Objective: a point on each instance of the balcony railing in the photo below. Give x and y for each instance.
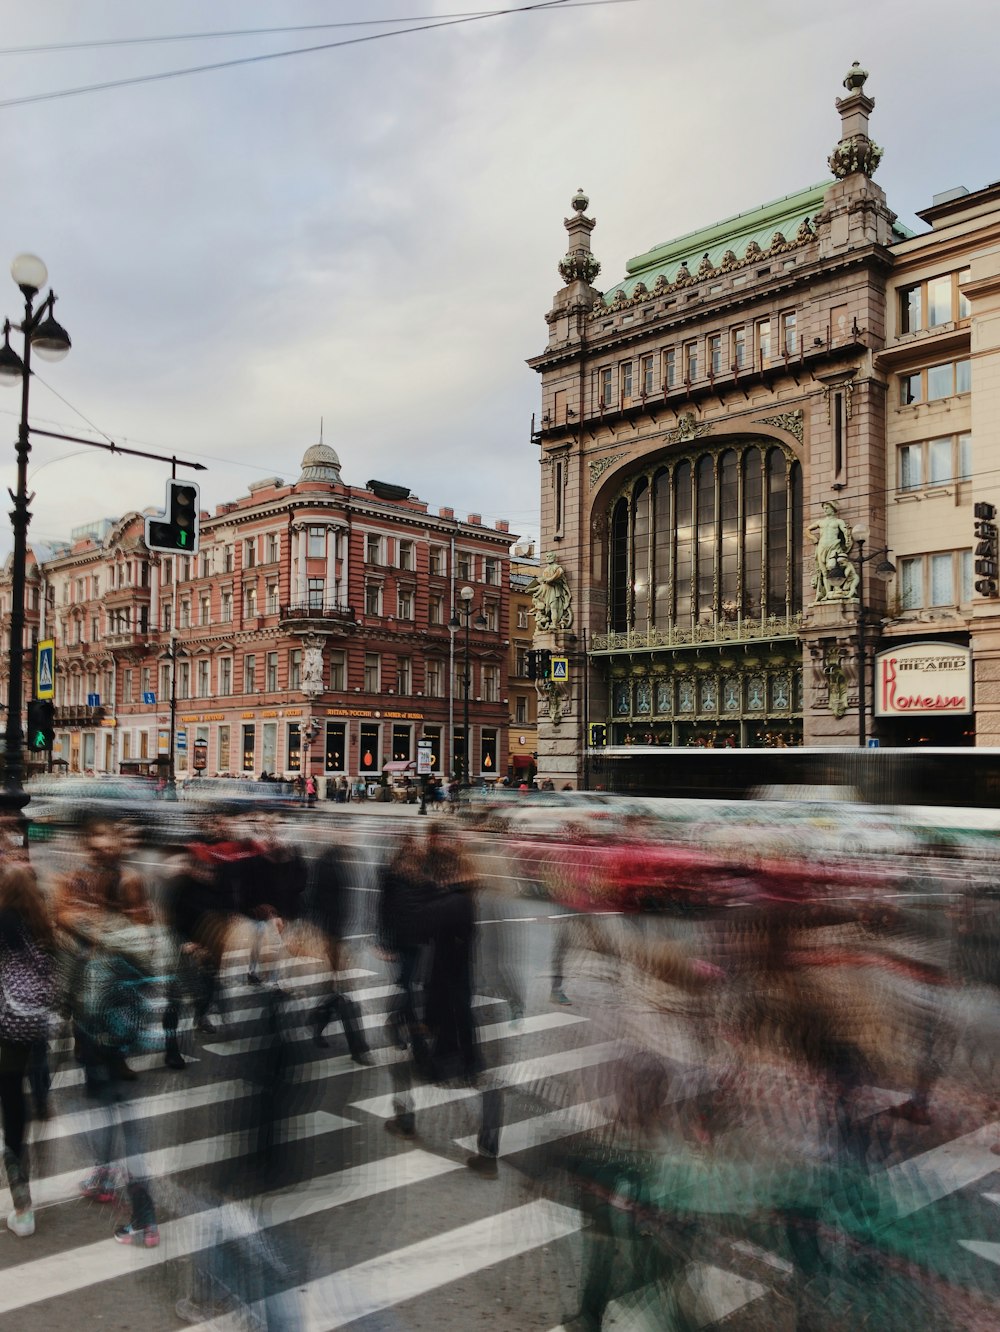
(717, 632)
(78, 714)
(129, 638)
(302, 610)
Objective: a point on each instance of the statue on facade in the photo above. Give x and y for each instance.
(312, 671)
(835, 577)
(551, 601)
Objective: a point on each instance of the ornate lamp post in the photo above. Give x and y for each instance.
(883, 569)
(462, 614)
(44, 336)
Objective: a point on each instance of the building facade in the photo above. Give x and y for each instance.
(310, 633)
(523, 755)
(729, 429)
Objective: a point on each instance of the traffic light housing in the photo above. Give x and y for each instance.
(176, 529)
(41, 716)
(539, 664)
(598, 735)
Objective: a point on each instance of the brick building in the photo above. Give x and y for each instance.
(805, 372)
(317, 607)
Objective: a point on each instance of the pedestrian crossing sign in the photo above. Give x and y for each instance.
(560, 668)
(45, 668)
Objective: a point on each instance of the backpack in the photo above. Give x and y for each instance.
(27, 992)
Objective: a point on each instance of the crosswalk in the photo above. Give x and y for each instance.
(376, 1224)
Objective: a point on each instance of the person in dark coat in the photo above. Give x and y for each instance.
(403, 931)
(325, 909)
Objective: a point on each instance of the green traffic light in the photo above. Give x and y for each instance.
(39, 740)
(182, 537)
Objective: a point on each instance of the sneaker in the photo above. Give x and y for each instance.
(399, 1130)
(143, 1237)
(22, 1224)
(100, 1186)
(483, 1166)
(254, 978)
(206, 1026)
(559, 997)
(173, 1057)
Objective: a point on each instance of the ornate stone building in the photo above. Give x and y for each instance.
(718, 432)
(310, 632)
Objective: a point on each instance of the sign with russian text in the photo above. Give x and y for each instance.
(923, 678)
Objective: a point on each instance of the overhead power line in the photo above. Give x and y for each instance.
(540, 6)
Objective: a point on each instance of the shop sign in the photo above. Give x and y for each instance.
(923, 678)
(986, 550)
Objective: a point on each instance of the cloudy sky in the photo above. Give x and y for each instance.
(369, 234)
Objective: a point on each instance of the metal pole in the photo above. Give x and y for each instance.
(171, 784)
(465, 711)
(862, 665)
(20, 518)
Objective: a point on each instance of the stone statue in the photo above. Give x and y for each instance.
(550, 596)
(835, 577)
(312, 671)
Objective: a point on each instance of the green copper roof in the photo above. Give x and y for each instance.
(755, 228)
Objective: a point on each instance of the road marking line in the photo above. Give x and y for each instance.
(549, 1127)
(933, 1175)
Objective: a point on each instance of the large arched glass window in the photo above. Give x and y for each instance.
(708, 538)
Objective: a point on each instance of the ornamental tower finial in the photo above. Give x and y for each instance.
(578, 264)
(855, 153)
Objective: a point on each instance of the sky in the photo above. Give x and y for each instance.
(369, 235)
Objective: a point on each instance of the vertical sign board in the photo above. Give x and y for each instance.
(200, 762)
(425, 758)
(45, 668)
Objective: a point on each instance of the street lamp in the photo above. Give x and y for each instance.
(462, 613)
(883, 569)
(171, 654)
(44, 336)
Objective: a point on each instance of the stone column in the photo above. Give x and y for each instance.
(302, 577)
(330, 590)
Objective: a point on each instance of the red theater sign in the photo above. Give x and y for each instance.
(923, 677)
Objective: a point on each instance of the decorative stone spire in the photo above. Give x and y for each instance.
(579, 264)
(855, 152)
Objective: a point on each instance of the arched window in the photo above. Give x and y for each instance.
(714, 538)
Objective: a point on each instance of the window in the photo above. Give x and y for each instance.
(184, 679)
(164, 681)
(911, 583)
(373, 549)
(464, 565)
(249, 673)
(373, 598)
(373, 672)
(939, 579)
(167, 618)
(521, 662)
(225, 675)
(911, 465)
(203, 678)
(249, 552)
(762, 334)
(434, 682)
(272, 599)
(295, 668)
(227, 559)
(404, 675)
(405, 560)
(226, 605)
(935, 382)
(184, 576)
(492, 571)
(316, 543)
(338, 671)
(205, 610)
(271, 673)
(942, 582)
(940, 460)
(437, 563)
(789, 333)
(203, 565)
(146, 679)
(648, 365)
(184, 615)
(669, 368)
(404, 604)
(223, 734)
(491, 684)
(95, 628)
(625, 380)
(522, 617)
(739, 348)
(607, 387)
(690, 362)
(715, 353)
(491, 614)
(126, 686)
(435, 610)
(336, 746)
(250, 601)
(520, 710)
(933, 303)
(273, 547)
(315, 592)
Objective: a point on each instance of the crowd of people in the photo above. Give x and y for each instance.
(793, 1002)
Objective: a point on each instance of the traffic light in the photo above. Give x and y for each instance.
(544, 664)
(598, 735)
(41, 715)
(176, 528)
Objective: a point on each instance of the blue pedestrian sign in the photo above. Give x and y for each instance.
(148, 696)
(45, 669)
(873, 743)
(560, 668)
(182, 740)
(93, 700)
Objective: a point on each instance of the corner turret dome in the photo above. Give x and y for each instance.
(320, 463)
